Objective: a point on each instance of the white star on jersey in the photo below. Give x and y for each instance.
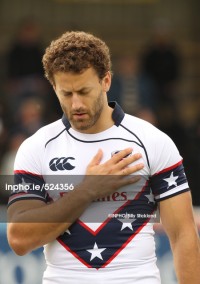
(96, 252)
(171, 180)
(126, 223)
(24, 186)
(150, 197)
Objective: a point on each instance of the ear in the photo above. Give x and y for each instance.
(106, 82)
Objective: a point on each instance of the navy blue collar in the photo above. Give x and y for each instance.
(117, 115)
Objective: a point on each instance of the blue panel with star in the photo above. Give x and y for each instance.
(27, 186)
(97, 249)
(167, 180)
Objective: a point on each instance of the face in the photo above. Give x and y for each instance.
(83, 98)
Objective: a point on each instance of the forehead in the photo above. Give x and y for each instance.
(75, 81)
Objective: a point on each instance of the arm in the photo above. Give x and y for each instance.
(34, 223)
(178, 221)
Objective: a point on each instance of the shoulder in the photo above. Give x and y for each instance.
(32, 150)
(43, 135)
(160, 148)
(143, 129)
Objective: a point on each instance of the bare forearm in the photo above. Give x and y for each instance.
(186, 253)
(38, 226)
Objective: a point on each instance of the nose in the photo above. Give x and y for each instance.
(76, 101)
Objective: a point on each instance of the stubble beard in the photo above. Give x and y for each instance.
(93, 115)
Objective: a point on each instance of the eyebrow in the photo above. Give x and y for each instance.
(78, 91)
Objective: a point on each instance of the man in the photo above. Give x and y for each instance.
(94, 218)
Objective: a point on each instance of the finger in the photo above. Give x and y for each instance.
(131, 170)
(131, 180)
(96, 159)
(120, 155)
(127, 161)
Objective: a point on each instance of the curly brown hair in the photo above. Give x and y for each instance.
(76, 51)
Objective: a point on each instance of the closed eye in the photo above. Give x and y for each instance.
(67, 94)
(84, 91)
(81, 92)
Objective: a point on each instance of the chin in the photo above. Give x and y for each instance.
(79, 126)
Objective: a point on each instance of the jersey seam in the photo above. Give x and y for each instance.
(54, 137)
(25, 198)
(100, 140)
(142, 145)
(172, 195)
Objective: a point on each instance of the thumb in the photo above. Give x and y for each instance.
(96, 159)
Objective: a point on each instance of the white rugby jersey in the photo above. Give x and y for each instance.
(113, 240)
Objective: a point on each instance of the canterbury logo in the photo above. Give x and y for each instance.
(61, 164)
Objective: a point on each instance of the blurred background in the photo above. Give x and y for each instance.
(155, 48)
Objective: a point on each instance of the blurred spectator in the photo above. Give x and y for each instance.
(131, 89)
(7, 164)
(161, 64)
(3, 129)
(30, 116)
(24, 67)
(191, 149)
(26, 121)
(24, 57)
